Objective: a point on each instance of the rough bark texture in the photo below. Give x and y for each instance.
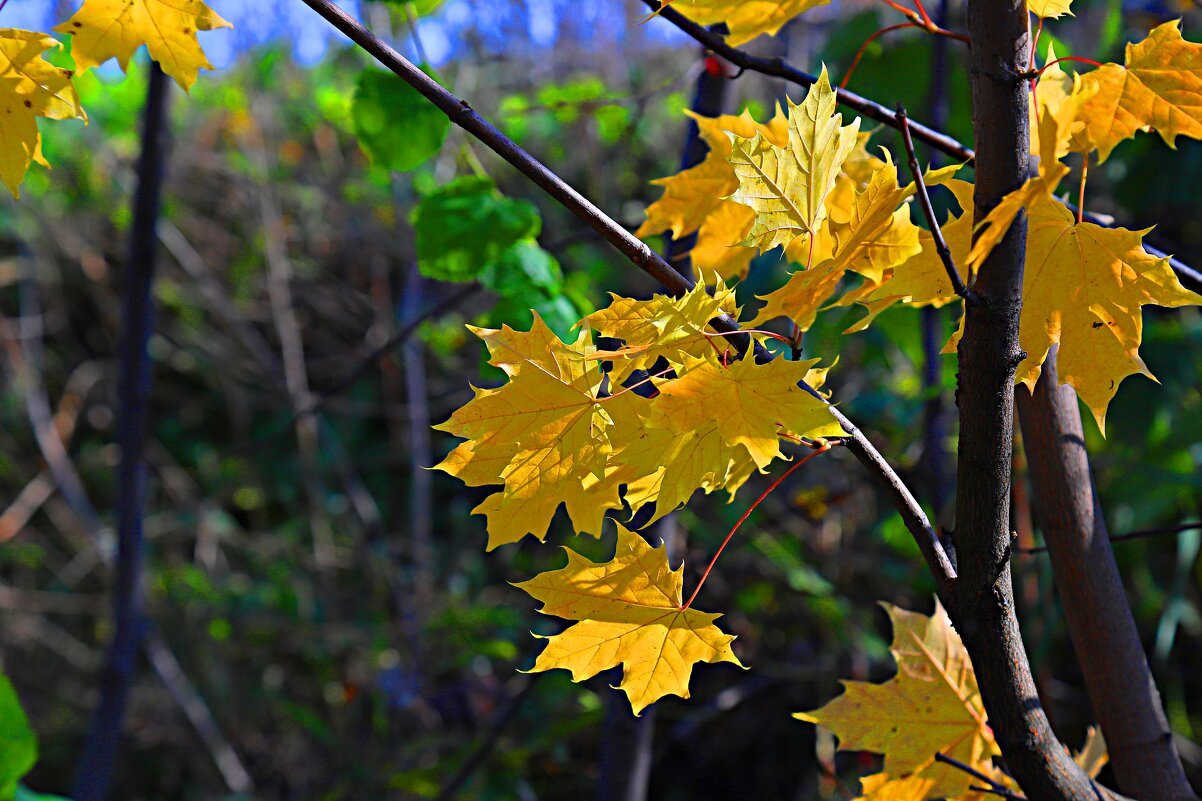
(1109, 651)
(981, 601)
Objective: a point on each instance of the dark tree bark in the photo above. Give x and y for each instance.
(95, 771)
(1109, 651)
(981, 600)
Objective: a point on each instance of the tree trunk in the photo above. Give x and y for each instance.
(981, 600)
(1109, 651)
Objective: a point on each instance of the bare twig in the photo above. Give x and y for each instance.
(1131, 535)
(924, 199)
(451, 789)
(292, 349)
(994, 786)
(185, 695)
(779, 68)
(636, 251)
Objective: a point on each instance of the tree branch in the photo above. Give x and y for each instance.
(1130, 535)
(924, 199)
(981, 603)
(1108, 647)
(779, 68)
(636, 251)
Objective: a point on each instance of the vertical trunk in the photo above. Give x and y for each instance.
(1099, 618)
(95, 771)
(981, 601)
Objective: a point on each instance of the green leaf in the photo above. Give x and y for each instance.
(419, 8)
(524, 272)
(466, 226)
(18, 744)
(397, 127)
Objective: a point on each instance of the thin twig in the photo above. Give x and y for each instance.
(779, 68)
(477, 757)
(640, 255)
(1132, 535)
(924, 199)
(995, 787)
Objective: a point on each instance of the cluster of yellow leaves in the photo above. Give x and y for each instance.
(31, 87)
(932, 705)
(630, 613)
(562, 430)
(809, 184)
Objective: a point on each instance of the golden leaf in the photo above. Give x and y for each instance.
(1050, 9)
(751, 403)
(932, 705)
(662, 326)
(629, 613)
(104, 29)
(745, 19)
(1159, 88)
(31, 87)
(787, 186)
(543, 435)
(1083, 287)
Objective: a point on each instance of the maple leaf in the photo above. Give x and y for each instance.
(1056, 128)
(1083, 287)
(1160, 88)
(30, 87)
(104, 29)
(922, 279)
(1050, 9)
(787, 186)
(630, 613)
(751, 403)
(745, 19)
(692, 199)
(932, 705)
(877, 235)
(543, 435)
(663, 326)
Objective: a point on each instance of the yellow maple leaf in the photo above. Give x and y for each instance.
(1083, 287)
(630, 613)
(932, 705)
(745, 19)
(751, 403)
(1159, 88)
(30, 87)
(1056, 129)
(104, 29)
(877, 236)
(717, 250)
(663, 326)
(922, 279)
(787, 186)
(692, 199)
(1050, 9)
(543, 435)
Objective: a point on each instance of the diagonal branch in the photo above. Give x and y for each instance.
(924, 199)
(779, 68)
(636, 251)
